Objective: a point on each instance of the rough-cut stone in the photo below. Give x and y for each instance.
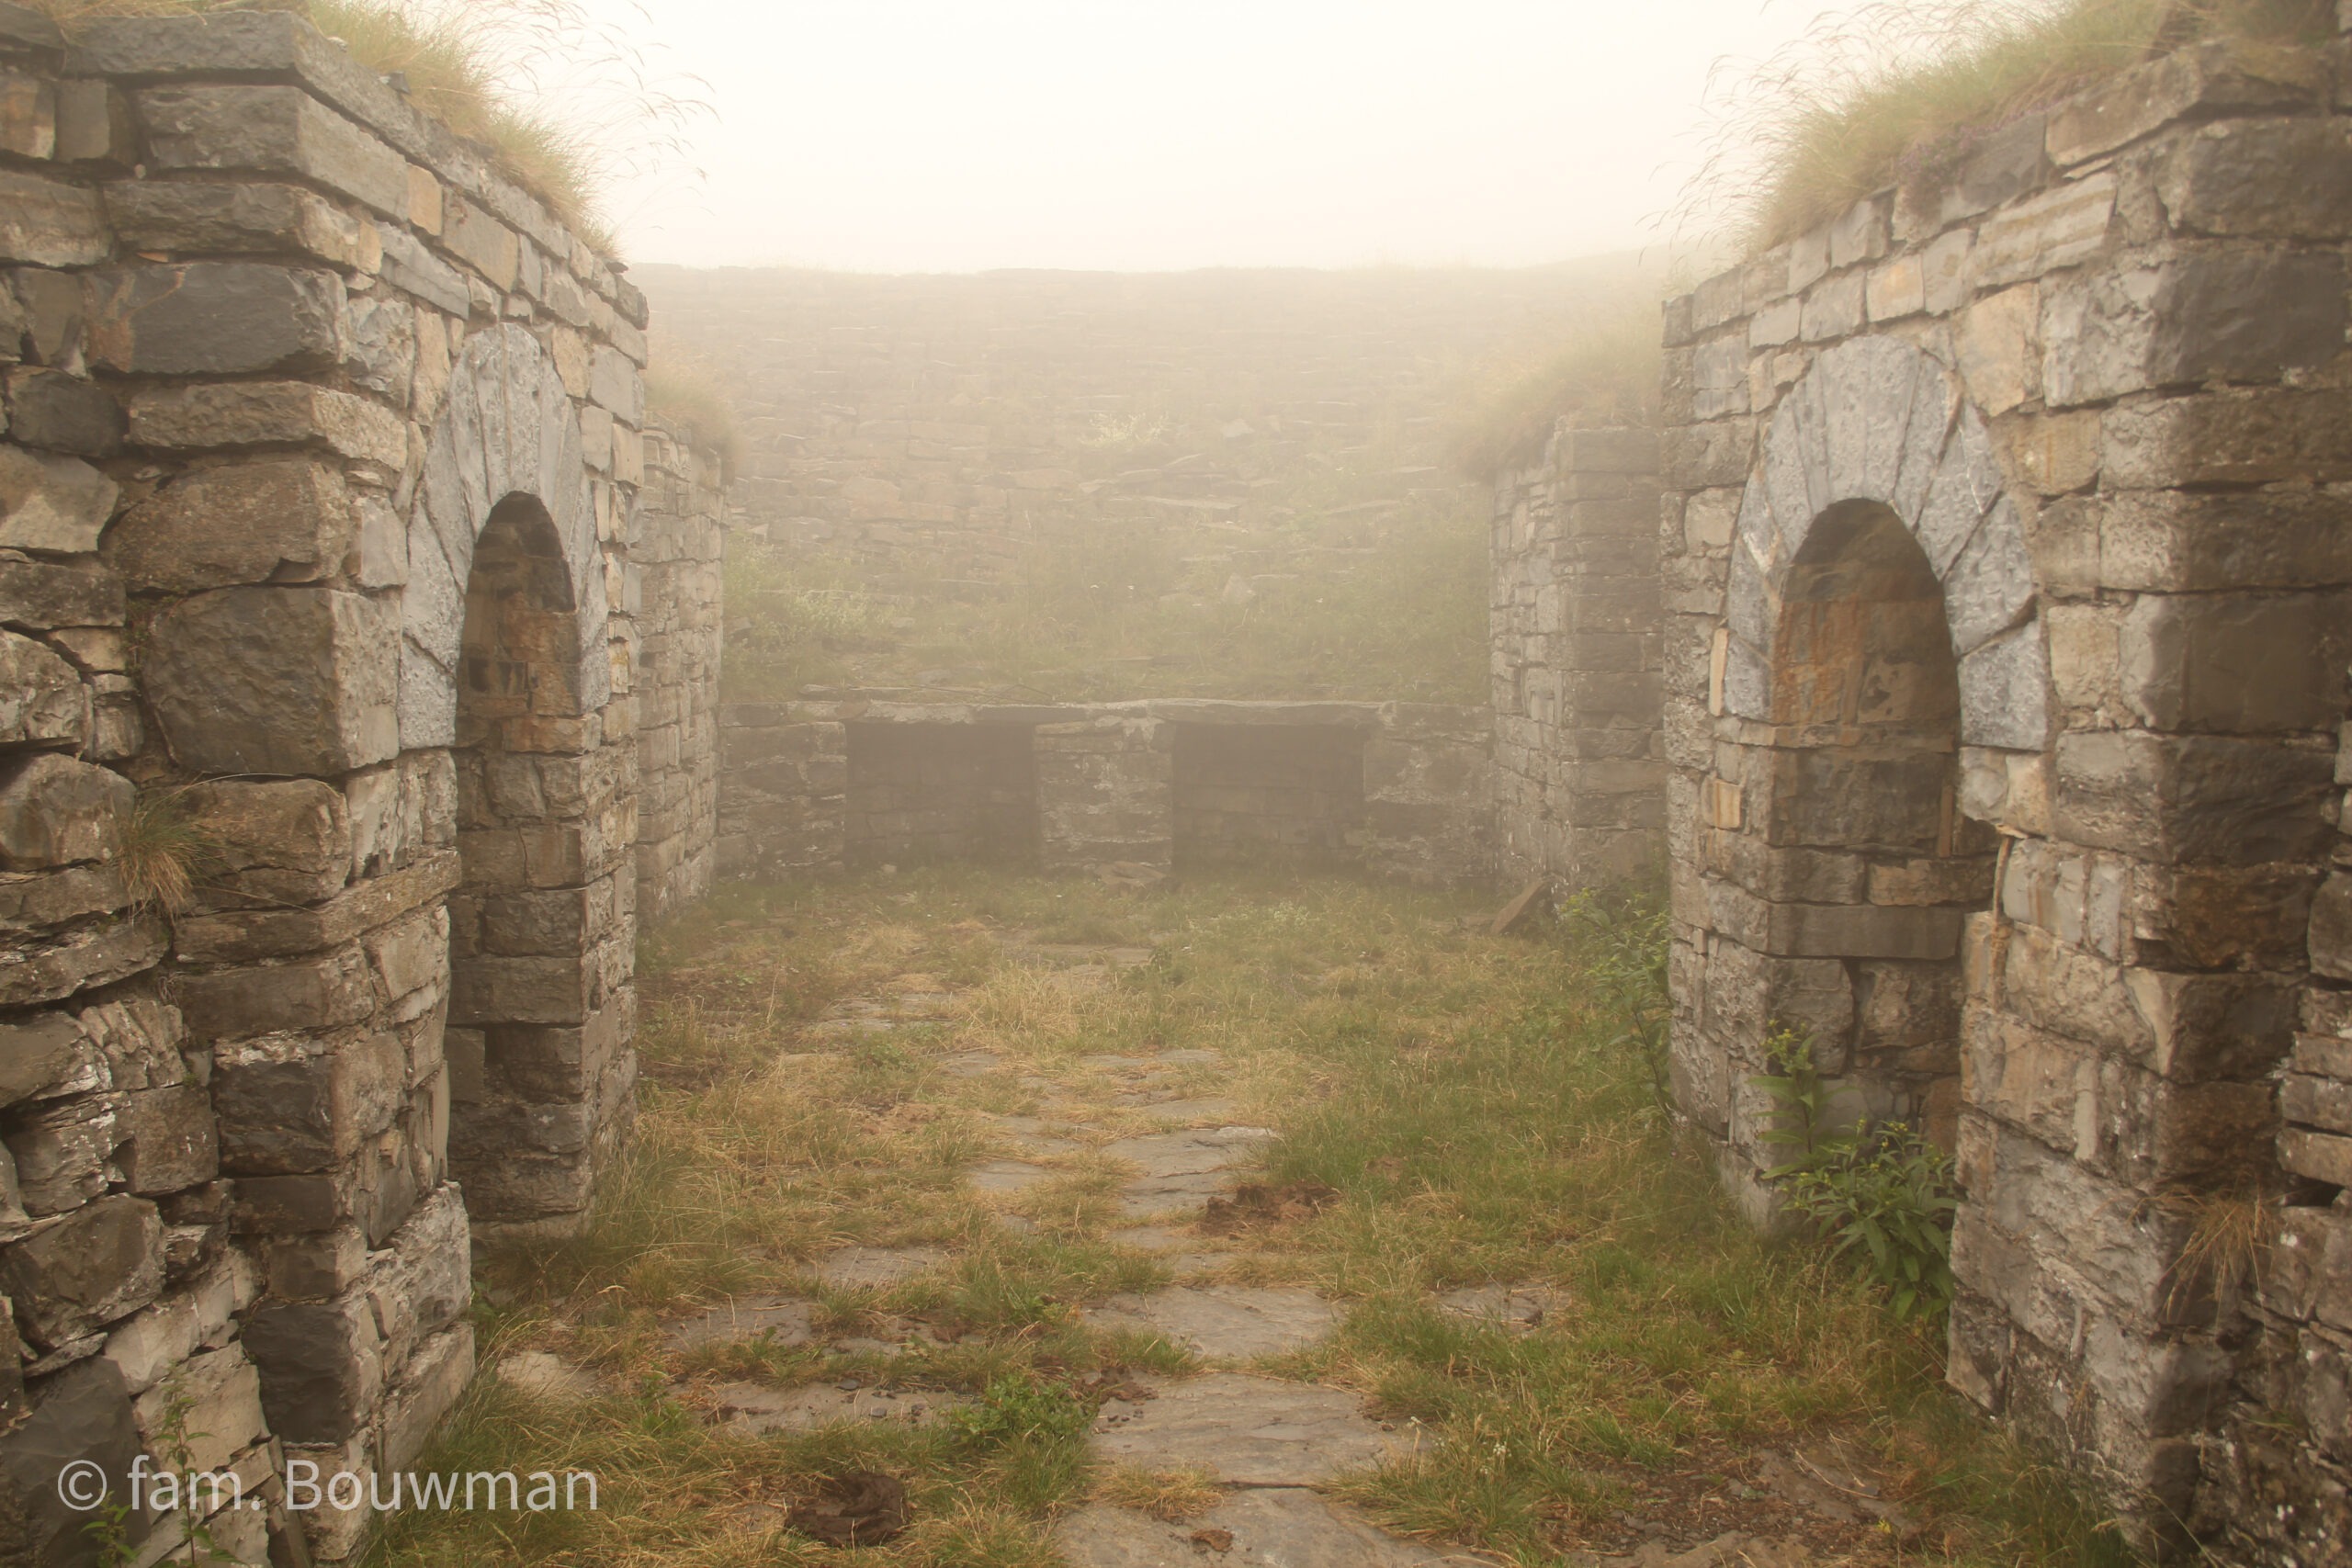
(777, 1320)
(55, 811)
(1222, 1320)
(41, 698)
(755, 1409)
(284, 520)
(272, 129)
(63, 413)
(49, 502)
(1264, 1528)
(215, 319)
(99, 1263)
(268, 413)
(47, 223)
(207, 216)
(873, 1268)
(276, 681)
(83, 1417)
(1244, 1431)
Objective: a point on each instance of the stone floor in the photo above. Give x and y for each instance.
(1270, 1444)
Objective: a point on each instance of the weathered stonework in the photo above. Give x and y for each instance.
(1402, 788)
(2008, 612)
(1577, 645)
(325, 517)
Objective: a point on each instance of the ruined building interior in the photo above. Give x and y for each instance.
(1963, 645)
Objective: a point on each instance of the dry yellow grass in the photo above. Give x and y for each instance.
(1892, 94)
(486, 68)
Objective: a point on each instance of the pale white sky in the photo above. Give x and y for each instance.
(930, 135)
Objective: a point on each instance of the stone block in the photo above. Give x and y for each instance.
(2063, 226)
(46, 595)
(55, 811)
(168, 1140)
(275, 841)
(207, 217)
(428, 1390)
(2240, 663)
(2221, 74)
(482, 242)
(310, 994)
(321, 1373)
(50, 501)
(2192, 319)
(272, 129)
(614, 383)
(63, 413)
(82, 1417)
(41, 697)
(276, 681)
(410, 265)
(2323, 1156)
(290, 1108)
(47, 1054)
(2331, 927)
(47, 223)
(102, 1262)
(2272, 178)
(2179, 798)
(282, 520)
(214, 318)
(268, 413)
(2171, 542)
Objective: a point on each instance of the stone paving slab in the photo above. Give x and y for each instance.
(1518, 1309)
(871, 1267)
(1154, 1195)
(783, 1318)
(1191, 1110)
(550, 1378)
(1190, 1152)
(1271, 1528)
(1245, 1431)
(1223, 1320)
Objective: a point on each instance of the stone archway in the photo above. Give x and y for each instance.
(1880, 626)
(506, 670)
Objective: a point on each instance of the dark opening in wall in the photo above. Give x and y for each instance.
(1864, 818)
(920, 791)
(1253, 792)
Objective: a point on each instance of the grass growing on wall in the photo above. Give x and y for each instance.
(1603, 371)
(1893, 94)
(484, 68)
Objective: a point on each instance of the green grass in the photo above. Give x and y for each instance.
(1118, 615)
(1467, 1097)
(1899, 94)
(1602, 371)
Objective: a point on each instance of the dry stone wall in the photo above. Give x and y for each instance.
(1578, 648)
(329, 543)
(2008, 604)
(1401, 788)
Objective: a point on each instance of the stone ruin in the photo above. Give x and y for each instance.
(331, 525)
(1969, 640)
(1997, 638)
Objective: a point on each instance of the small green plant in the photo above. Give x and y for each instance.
(176, 1446)
(1623, 941)
(1016, 1410)
(1881, 1193)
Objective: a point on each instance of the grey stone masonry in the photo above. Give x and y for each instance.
(327, 524)
(2008, 609)
(1577, 649)
(1400, 788)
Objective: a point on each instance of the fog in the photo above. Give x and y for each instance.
(918, 135)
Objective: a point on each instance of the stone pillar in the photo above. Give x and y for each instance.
(1106, 794)
(676, 540)
(1578, 661)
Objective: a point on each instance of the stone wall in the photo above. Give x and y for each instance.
(1401, 788)
(2006, 639)
(1577, 650)
(931, 429)
(675, 543)
(327, 544)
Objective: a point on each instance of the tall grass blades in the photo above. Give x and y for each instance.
(574, 105)
(1899, 92)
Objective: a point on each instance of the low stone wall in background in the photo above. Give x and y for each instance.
(1400, 788)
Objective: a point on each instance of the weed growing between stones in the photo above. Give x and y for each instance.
(1470, 1105)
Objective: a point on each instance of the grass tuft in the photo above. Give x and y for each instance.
(159, 851)
(570, 103)
(1899, 94)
